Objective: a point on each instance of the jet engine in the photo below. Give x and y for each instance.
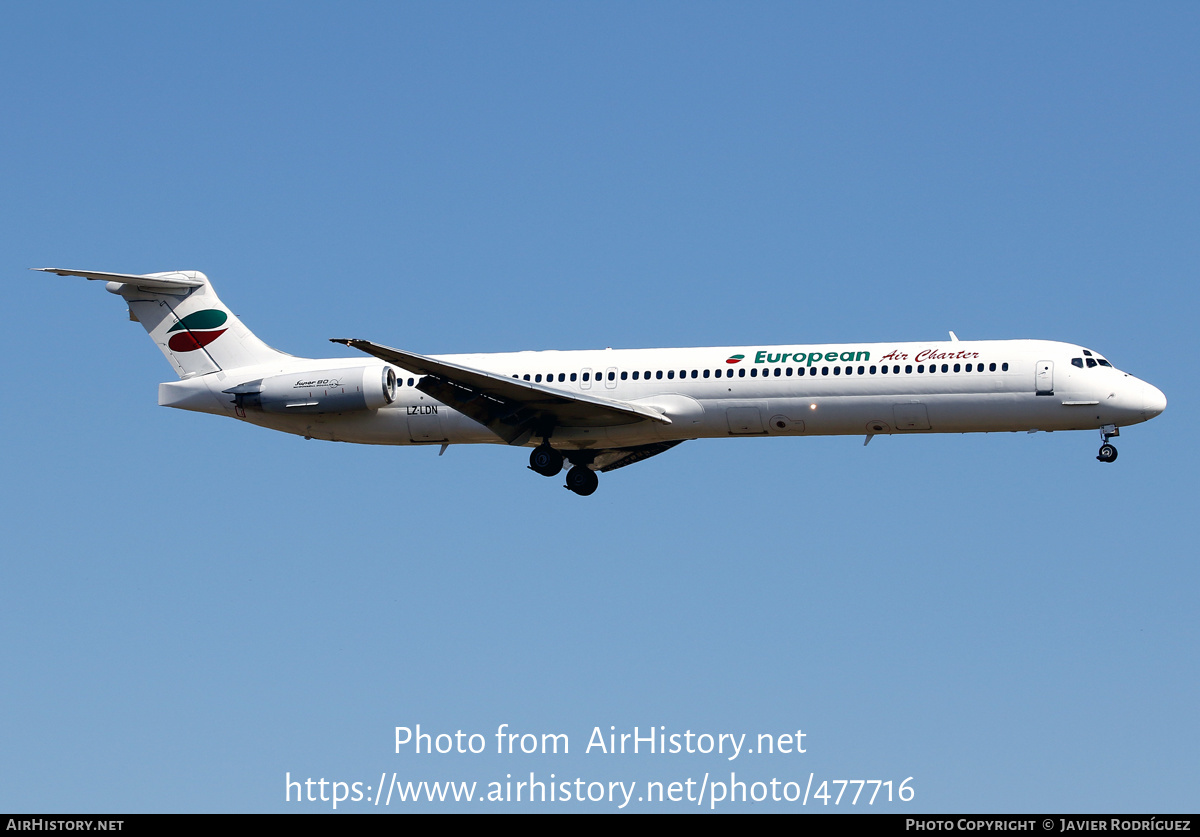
(320, 391)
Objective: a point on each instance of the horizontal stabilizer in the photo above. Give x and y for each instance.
(188, 323)
(170, 282)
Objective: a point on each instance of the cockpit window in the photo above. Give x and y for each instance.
(1104, 362)
(1077, 361)
(1091, 363)
(1086, 352)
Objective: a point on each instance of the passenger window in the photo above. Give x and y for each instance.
(883, 369)
(624, 376)
(957, 368)
(612, 376)
(860, 370)
(526, 377)
(671, 374)
(992, 367)
(586, 376)
(789, 372)
(908, 369)
(658, 374)
(572, 376)
(824, 370)
(1004, 367)
(921, 368)
(753, 372)
(707, 372)
(695, 374)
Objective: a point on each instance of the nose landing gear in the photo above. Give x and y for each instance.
(1108, 453)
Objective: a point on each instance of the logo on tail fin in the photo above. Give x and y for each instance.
(197, 330)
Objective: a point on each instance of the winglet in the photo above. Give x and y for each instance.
(953, 337)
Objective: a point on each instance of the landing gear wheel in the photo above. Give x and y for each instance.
(582, 480)
(1108, 453)
(546, 461)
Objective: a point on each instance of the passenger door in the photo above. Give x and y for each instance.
(1045, 377)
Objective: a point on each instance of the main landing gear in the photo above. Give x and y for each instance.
(582, 480)
(1108, 453)
(548, 462)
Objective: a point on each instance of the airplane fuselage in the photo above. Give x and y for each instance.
(799, 390)
(603, 410)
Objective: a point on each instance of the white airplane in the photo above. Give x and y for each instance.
(603, 410)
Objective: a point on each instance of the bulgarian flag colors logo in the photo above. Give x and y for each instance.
(197, 330)
(736, 359)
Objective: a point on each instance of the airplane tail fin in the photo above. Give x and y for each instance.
(185, 319)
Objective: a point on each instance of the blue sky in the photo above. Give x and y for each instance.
(196, 608)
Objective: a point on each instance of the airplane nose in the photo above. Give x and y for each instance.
(1155, 401)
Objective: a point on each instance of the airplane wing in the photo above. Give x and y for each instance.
(512, 409)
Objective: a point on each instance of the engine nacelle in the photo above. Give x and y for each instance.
(321, 391)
